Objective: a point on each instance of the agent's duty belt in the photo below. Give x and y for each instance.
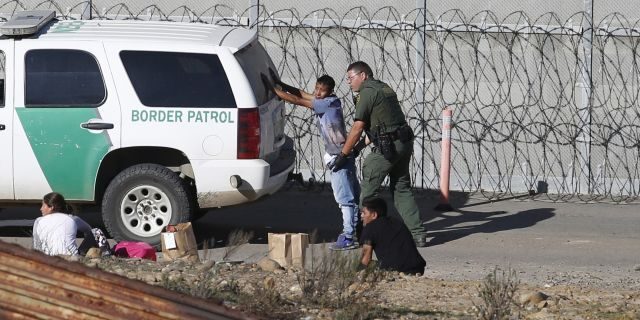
(385, 140)
(403, 134)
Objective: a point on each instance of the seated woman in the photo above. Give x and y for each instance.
(55, 232)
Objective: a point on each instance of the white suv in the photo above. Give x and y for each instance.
(154, 120)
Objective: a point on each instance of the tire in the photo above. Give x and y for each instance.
(142, 199)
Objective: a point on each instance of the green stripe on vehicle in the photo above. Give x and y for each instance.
(69, 155)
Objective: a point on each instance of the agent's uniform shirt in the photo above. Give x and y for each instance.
(378, 105)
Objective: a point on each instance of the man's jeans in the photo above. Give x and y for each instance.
(346, 191)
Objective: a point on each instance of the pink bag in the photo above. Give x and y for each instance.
(131, 249)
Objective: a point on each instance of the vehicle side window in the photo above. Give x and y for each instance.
(63, 78)
(177, 79)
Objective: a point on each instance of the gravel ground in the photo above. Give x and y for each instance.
(571, 261)
(261, 288)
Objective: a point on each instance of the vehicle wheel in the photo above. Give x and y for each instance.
(143, 199)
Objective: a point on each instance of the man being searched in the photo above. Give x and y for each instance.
(330, 121)
(389, 238)
(379, 114)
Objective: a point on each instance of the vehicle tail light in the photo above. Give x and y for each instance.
(248, 133)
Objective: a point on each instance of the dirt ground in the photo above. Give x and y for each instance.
(569, 261)
(263, 290)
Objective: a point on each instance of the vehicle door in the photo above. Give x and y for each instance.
(6, 119)
(70, 117)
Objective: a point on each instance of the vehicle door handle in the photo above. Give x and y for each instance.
(2, 127)
(97, 125)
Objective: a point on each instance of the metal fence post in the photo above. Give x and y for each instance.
(586, 86)
(86, 12)
(254, 13)
(420, 67)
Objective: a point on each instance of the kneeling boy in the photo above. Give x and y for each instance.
(389, 238)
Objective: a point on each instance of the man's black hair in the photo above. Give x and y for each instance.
(361, 66)
(327, 81)
(375, 204)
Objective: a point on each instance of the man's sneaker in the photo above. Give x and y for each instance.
(421, 241)
(344, 243)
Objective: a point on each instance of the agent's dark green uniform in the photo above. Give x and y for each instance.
(377, 105)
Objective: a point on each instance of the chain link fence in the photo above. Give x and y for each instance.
(545, 94)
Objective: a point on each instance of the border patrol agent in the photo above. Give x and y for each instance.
(379, 114)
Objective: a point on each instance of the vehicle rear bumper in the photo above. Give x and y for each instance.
(257, 179)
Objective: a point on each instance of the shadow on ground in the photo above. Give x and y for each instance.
(462, 221)
(294, 209)
(308, 208)
(311, 208)
(451, 226)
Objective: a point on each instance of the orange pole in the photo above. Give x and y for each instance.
(445, 161)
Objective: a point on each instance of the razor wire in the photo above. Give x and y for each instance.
(517, 85)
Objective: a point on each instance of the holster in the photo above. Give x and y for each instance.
(386, 145)
(385, 140)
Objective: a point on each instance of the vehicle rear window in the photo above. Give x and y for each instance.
(2, 77)
(257, 64)
(176, 79)
(62, 77)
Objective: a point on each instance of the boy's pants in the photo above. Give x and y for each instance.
(346, 191)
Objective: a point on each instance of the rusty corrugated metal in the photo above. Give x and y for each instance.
(34, 285)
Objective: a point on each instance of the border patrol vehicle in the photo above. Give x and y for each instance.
(152, 120)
